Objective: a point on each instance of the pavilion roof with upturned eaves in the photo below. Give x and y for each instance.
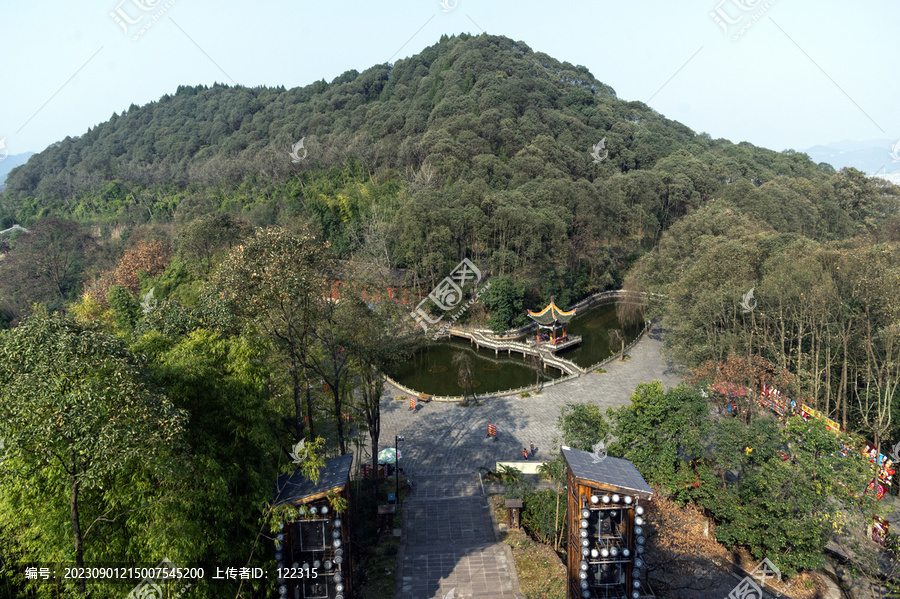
(552, 313)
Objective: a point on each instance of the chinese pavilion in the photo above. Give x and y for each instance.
(551, 323)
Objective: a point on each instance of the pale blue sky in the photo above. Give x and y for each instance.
(68, 66)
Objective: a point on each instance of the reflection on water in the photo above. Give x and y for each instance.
(431, 370)
(594, 326)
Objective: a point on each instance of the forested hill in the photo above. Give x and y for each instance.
(460, 102)
(477, 146)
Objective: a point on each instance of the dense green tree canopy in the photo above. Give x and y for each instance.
(274, 282)
(780, 490)
(86, 440)
(477, 146)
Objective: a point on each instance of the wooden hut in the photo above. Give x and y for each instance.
(606, 527)
(314, 548)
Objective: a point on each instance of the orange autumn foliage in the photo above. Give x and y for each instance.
(740, 371)
(149, 257)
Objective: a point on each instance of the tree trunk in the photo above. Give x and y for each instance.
(815, 363)
(557, 534)
(339, 415)
(750, 346)
(76, 523)
(828, 376)
(842, 398)
(783, 338)
(799, 364)
(375, 434)
(298, 403)
(375, 469)
(309, 408)
(372, 388)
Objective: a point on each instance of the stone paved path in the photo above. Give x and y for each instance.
(449, 543)
(444, 438)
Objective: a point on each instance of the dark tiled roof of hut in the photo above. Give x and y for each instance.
(608, 471)
(294, 487)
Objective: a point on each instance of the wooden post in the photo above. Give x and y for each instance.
(573, 543)
(512, 512)
(386, 514)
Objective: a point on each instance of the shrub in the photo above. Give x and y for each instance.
(539, 512)
(126, 309)
(169, 318)
(517, 485)
(509, 475)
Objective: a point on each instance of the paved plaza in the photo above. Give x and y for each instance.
(444, 438)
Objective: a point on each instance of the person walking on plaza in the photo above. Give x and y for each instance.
(532, 449)
(524, 453)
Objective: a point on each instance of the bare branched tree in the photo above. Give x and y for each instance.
(616, 335)
(465, 377)
(535, 362)
(370, 241)
(632, 305)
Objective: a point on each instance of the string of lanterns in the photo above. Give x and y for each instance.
(606, 542)
(332, 556)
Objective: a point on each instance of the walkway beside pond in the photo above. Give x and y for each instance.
(444, 438)
(546, 352)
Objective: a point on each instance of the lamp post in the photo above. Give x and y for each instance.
(397, 439)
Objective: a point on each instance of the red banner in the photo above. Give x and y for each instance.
(880, 528)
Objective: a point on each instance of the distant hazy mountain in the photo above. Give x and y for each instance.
(872, 156)
(11, 162)
(892, 177)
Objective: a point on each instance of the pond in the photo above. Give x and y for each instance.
(431, 369)
(594, 326)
